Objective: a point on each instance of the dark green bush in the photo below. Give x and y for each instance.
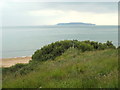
(102, 46)
(53, 50)
(13, 69)
(118, 47)
(85, 47)
(109, 44)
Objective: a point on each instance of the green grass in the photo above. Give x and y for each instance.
(73, 69)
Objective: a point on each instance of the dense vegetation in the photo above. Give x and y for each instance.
(53, 50)
(73, 69)
(65, 64)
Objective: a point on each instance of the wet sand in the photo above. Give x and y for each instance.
(7, 62)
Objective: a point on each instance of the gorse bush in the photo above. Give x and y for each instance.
(53, 50)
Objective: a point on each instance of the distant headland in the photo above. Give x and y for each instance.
(75, 23)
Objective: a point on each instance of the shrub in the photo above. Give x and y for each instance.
(13, 68)
(118, 47)
(109, 44)
(16, 67)
(85, 47)
(102, 46)
(53, 50)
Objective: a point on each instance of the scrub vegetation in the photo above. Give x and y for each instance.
(67, 64)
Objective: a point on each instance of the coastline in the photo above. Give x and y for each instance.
(8, 62)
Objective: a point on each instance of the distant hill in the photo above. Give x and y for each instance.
(75, 23)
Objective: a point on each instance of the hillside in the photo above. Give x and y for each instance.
(73, 69)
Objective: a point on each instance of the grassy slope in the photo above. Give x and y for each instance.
(73, 69)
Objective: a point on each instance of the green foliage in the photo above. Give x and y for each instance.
(73, 69)
(85, 47)
(109, 44)
(20, 69)
(13, 69)
(53, 50)
(118, 47)
(92, 68)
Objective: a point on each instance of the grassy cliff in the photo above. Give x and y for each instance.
(72, 69)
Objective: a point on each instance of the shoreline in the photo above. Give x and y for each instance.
(8, 62)
(15, 57)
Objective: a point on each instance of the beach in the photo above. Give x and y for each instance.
(7, 62)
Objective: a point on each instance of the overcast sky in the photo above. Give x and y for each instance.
(50, 13)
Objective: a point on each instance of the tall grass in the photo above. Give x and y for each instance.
(73, 69)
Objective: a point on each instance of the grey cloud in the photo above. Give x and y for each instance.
(16, 13)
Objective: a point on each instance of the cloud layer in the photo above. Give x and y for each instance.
(39, 13)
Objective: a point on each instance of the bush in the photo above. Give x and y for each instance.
(53, 50)
(14, 68)
(109, 44)
(85, 47)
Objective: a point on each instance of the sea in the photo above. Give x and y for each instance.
(25, 40)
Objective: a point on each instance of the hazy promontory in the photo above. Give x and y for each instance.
(76, 23)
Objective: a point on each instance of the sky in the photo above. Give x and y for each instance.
(50, 13)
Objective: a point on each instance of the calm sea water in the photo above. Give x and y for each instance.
(23, 41)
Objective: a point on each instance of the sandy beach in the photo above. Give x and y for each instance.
(7, 62)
